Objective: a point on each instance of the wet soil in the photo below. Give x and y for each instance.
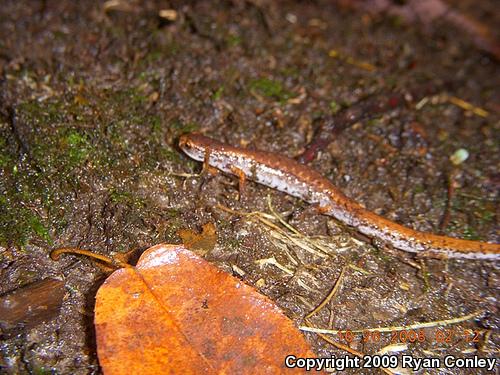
(94, 97)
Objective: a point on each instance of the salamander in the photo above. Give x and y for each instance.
(289, 176)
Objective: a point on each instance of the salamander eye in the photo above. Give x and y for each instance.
(186, 144)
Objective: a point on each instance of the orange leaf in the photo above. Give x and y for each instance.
(199, 243)
(175, 312)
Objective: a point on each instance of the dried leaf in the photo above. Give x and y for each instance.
(199, 243)
(32, 304)
(175, 312)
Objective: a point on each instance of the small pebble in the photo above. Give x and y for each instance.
(459, 156)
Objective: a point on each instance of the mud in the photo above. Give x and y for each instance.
(94, 98)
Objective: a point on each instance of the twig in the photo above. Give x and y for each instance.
(280, 219)
(298, 239)
(365, 109)
(343, 347)
(330, 295)
(468, 106)
(394, 329)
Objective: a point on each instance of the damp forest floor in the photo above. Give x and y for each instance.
(93, 99)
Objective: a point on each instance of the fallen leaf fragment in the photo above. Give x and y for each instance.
(118, 5)
(31, 305)
(200, 243)
(168, 14)
(177, 313)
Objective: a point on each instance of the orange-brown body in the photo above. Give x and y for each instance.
(296, 179)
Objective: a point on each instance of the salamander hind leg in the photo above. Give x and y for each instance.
(242, 179)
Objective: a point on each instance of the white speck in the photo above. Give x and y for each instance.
(290, 17)
(241, 233)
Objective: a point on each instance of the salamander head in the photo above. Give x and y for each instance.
(194, 145)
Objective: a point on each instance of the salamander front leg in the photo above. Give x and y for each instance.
(207, 168)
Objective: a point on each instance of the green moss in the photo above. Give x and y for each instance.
(483, 209)
(271, 89)
(218, 93)
(154, 56)
(127, 198)
(39, 369)
(233, 244)
(167, 153)
(66, 139)
(487, 216)
(5, 158)
(334, 107)
(377, 250)
(18, 225)
(318, 114)
(291, 71)
(156, 127)
(129, 97)
(233, 40)
(180, 127)
(22, 191)
(172, 213)
(38, 228)
(470, 234)
(419, 189)
(397, 21)
(111, 135)
(172, 228)
(45, 113)
(158, 53)
(372, 122)
(77, 146)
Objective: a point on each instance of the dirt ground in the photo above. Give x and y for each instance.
(94, 96)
